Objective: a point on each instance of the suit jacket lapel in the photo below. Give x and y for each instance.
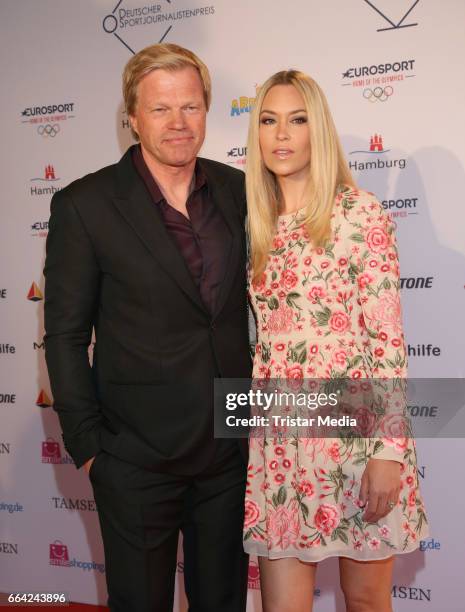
(136, 206)
(222, 197)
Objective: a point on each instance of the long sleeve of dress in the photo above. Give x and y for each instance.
(374, 268)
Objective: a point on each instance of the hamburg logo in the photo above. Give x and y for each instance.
(48, 118)
(122, 18)
(59, 554)
(254, 575)
(237, 156)
(48, 177)
(35, 294)
(392, 24)
(376, 148)
(43, 401)
(49, 174)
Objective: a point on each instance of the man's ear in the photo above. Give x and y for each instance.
(133, 123)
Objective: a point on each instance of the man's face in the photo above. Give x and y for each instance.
(170, 115)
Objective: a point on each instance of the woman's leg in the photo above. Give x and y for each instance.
(287, 585)
(366, 584)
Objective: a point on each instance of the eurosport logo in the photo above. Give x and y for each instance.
(237, 156)
(48, 177)
(377, 150)
(401, 207)
(401, 23)
(39, 229)
(48, 119)
(59, 556)
(377, 83)
(162, 15)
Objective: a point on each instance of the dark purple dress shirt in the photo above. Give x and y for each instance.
(203, 239)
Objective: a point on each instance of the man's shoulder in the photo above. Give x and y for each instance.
(101, 182)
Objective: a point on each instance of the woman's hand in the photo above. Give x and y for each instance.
(380, 488)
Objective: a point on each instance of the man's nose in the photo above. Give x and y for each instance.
(177, 120)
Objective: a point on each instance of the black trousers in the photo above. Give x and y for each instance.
(141, 514)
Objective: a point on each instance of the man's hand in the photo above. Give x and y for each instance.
(88, 463)
(380, 488)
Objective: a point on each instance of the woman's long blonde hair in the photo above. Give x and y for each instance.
(328, 169)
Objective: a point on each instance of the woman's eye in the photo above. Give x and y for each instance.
(299, 120)
(267, 120)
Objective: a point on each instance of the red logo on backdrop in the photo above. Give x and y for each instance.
(376, 143)
(43, 401)
(49, 173)
(376, 146)
(35, 294)
(254, 575)
(51, 451)
(59, 554)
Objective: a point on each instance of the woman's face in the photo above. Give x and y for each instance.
(284, 132)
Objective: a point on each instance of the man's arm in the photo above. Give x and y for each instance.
(72, 277)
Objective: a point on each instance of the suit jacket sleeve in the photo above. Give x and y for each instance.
(72, 277)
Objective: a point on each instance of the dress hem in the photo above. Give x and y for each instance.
(251, 550)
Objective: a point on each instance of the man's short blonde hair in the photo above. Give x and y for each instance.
(166, 56)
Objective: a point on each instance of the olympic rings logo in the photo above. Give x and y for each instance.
(378, 94)
(48, 130)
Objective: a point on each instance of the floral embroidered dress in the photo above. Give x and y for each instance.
(325, 313)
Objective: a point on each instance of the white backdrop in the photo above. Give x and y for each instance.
(386, 73)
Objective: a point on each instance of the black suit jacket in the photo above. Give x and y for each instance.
(112, 265)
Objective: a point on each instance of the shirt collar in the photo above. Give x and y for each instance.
(200, 179)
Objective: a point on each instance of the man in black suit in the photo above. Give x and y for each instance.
(151, 253)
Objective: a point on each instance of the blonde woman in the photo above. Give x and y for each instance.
(325, 293)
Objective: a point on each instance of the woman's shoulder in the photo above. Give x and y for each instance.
(358, 206)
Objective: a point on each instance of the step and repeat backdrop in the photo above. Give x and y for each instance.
(393, 74)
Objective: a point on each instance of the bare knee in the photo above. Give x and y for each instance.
(366, 599)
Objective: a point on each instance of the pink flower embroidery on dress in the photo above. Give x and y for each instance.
(280, 321)
(283, 526)
(387, 311)
(327, 518)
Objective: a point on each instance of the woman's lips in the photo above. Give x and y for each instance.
(283, 153)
